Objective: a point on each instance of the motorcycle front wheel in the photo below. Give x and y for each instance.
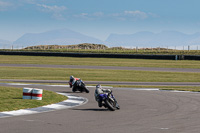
(110, 104)
(86, 89)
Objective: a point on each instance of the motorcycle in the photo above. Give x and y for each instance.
(109, 101)
(79, 85)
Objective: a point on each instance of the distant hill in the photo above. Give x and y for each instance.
(55, 37)
(149, 39)
(140, 39)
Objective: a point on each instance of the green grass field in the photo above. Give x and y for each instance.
(96, 75)
(11, 99)
(9, 59)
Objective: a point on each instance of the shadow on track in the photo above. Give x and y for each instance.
(69, 92)
(94, 109)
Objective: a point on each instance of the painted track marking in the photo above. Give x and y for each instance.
(72, 101)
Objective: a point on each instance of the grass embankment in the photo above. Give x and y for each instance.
(114, 50)
(96, 75)
(179, 88)
(10, 59)
(11, 99)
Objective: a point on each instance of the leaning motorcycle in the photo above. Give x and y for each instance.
(79, 85)
(109, 101)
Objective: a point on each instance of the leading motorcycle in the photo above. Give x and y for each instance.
(79, 85)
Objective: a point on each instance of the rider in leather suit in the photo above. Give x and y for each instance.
(100, 90)
(72, 81)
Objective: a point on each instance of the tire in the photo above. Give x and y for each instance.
(110, 105)
(86, 89)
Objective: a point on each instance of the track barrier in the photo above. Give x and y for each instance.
(37, 94)
(27, 93)
(131, 56)
(32, 93)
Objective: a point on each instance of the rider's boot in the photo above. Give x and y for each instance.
(100, 103)
(103, 104)
(73, 89)
(117, 105)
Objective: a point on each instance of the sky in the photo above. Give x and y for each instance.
(98, 18)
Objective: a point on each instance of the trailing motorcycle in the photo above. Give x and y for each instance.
(79, 85)
(109, 101)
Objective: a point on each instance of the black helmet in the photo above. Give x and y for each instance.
(71, 77)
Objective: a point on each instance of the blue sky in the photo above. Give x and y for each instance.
(97, 18)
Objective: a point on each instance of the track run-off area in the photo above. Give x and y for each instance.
(142, 111)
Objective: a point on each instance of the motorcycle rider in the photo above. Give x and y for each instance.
(72, 80)
(99, 90)
(77, 85)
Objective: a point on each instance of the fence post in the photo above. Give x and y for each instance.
(176, 57)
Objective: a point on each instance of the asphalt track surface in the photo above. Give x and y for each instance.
(141, 111)
(108, 82)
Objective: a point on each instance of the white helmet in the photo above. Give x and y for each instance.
(98, 86)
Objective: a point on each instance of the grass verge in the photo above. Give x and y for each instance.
(179, 88)
(96, 75)
(11, 99)
(10, 59)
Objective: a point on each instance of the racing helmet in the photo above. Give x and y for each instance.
(71, 77)
(98, 86)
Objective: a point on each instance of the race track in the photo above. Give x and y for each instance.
(142, 111)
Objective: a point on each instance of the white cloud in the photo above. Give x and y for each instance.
(92, 16)
(4, 5)
(27, 1)
(33, 1)
(55, 10)
(130, 15)
(125, 15)
(98, 14)
(135, 14)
